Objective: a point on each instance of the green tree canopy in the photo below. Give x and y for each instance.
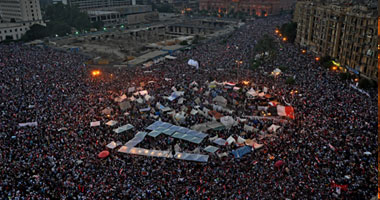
(35, 32)
(266, 44)
(60, 21)
(289, 30)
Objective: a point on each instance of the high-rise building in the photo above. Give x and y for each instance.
(251, 7)
(17, 16)
(64, 2)
(20, 11)
(95, 4)
(347, 33)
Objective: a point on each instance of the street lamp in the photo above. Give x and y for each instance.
(95, 73)
(239, 62)
(303, 51)
(317, 58)
(284, 39)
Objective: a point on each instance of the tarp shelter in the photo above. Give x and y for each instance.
(240, 140)
(215, 125)
(113, 145)
(220, 141)
(219, 100)
(121, 98)
(256, 145)
(240, 152)
(211, 149)
(111, 123)
(273, 128)
(148, 97)
(251, 93)
(145, 152)
(180, 117)
(136, 140)
(154, 133)
(215, 114)
(148, 64)
(191, 157)
(194, 63)
(227, 121)
(28, 124)
(125, 105)
(131, 89)
(173, 96)
(103, 154)
(248, 128)
(140, 100)
(276, 72)
(147, 109)
(123, 128)
(170, 57)
(97, 123)
(230, 140)
(107, 111)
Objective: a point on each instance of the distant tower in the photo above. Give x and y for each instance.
(21, 11)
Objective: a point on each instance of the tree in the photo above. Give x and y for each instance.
(35, 32)
(58, 27)
(289, 30)
(165, 8)
(184, 43)
(365, 83)
(266, 44)
(290, 81)
(326, 62)
(196, 39)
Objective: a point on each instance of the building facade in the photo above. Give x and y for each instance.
(127, 15)
(96, 4)
(346, 33)
(17, 16)
(20, 11)
(251, 7)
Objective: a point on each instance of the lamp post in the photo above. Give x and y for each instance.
(239, 62)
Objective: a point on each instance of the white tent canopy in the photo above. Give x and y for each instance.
(97, 123)
(227, 121)
(273, 128)
(107, 111)
(170, 57)
(194, 63)
(276, 72)
(220, 101)
(251, 93)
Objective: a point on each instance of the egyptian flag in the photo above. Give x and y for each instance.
(272, 103)
(341, 187)
(287, 111)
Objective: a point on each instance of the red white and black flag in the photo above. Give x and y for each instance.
(287, 111)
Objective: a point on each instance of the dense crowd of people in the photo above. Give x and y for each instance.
(329, 149)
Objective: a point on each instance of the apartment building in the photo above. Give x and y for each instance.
(347, 33)
(96, 4)
(17, 16)
(251, 7)
(20, 11)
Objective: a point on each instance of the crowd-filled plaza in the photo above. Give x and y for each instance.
(215, 130)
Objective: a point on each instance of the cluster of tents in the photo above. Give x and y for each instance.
(195, 134)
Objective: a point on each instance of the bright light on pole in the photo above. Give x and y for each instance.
(95, 73)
